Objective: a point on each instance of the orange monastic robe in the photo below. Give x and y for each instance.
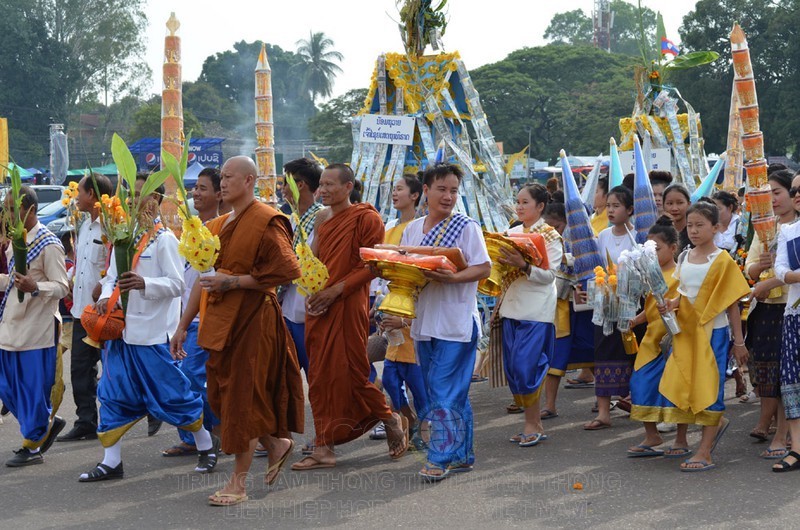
(254, 383)
(344, 403)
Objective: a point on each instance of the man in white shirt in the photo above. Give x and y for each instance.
(90, 261)
(447, 329)
(28, 336)
(207, 197)
(139, 376)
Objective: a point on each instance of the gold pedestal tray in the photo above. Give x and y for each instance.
(492, 286)
(405, 283)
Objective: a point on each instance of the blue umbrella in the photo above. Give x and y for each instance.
(704, 189)
(615, 170)
(579, 232)
(644, 203)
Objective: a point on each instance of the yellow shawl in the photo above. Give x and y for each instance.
(691, 375)
(650, 346)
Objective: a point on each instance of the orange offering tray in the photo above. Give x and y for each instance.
(531, 246)
(404, 271)
(453, 254)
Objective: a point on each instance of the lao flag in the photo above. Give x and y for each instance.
(668, 47)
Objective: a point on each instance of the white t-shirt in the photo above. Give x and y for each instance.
(727, 240)
(613, 245)
(448, 311)
(692, 276)
(294, 303)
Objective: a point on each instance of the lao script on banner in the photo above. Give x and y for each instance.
(660, 160)
(383, 129)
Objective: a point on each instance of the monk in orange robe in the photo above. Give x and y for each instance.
(254, 383)
(344, 403)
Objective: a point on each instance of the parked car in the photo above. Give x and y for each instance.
(48, 194)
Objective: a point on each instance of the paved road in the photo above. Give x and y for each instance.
(510, 487)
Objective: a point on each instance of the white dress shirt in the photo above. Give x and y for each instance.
(153, 313)
(533, 298)
(90, 260)
(787, 233)
(448, 311)
(30, 325)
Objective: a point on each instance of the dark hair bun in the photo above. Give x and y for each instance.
(665, 220)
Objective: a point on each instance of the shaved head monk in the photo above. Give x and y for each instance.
(344, 403)
(254, 383)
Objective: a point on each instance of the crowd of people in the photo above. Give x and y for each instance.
(221, 356)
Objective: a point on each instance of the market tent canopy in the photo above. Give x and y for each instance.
(109, 170)
(190, 177)
(24, 173)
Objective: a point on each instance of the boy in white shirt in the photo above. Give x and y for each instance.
(139, 376)
(446, 330)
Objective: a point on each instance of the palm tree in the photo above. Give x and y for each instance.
(318, 68)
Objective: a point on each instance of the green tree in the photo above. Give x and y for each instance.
(574, 27)
(147, 122)
(569, 97)
(56, 53)
(330, 127)
(319, 69)
(570, 27)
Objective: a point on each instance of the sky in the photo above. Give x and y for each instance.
(482, 32)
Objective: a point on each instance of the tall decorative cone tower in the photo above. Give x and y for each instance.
(265, 131)
(171, 95)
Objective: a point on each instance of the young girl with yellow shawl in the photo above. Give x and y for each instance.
(711, 285)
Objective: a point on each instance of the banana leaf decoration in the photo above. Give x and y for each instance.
(16, 227)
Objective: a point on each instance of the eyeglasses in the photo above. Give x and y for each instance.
(793, 191)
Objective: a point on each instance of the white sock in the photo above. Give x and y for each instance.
(202, 439)
(113, 455)
(33, 451)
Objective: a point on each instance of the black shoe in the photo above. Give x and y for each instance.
(4, 411)
(78, 433)
(24, 457)
(153, 425)
(207, 460)
(57, 426)
(102, 472)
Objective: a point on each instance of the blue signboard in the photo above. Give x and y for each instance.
(206, 151)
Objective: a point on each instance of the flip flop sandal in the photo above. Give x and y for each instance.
(516, 438)
(404, 441)
(577, 383)
(514, 409)
(277, 466)
(548, 414)
(460, 468)
(424, 473)
(307, 449)
(529, 440)
(761, 436)
(683, 451)
(478, 379)
(596, 425)
(724, 424)
(782, 452)
(237, 499)
(646, 450)
(316, 465)
(179, 450)
(705, 466)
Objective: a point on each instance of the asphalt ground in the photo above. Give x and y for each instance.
(575, 478)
